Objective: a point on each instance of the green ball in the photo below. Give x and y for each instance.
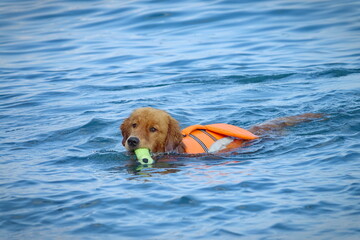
(143, 156)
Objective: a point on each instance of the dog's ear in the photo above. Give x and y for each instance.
(174, 136)
(124, 128)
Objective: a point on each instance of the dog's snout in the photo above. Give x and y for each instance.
(133, 141)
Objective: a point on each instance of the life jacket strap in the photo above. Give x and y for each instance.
(206, 150)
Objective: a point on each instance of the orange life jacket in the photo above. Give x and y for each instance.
(199, 138)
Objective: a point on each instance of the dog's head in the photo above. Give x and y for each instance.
(151, 128)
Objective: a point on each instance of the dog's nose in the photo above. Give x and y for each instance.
(133, 141)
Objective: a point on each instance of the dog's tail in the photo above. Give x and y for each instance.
(278, 124)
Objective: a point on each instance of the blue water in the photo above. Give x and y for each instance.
(71, 71)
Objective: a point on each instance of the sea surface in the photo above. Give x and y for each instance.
(72, 70)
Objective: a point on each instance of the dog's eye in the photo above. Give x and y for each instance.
(134, 125)
(152, 129)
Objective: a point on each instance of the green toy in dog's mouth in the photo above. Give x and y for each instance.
(143, 156)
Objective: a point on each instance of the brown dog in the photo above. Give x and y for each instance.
(156, 130)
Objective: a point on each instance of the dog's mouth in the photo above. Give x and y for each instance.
(142, 153)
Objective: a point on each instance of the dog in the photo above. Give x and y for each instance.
(159, 132)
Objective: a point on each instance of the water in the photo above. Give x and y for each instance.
(71, 71)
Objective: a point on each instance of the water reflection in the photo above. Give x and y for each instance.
(207, 168)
